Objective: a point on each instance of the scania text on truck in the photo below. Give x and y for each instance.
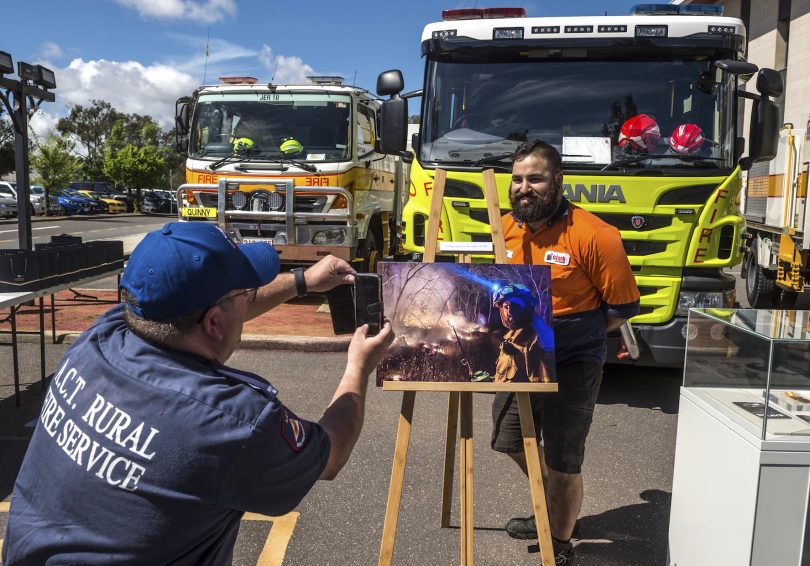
(292, 164)
(643, 109)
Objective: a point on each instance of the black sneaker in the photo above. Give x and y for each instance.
(526, 528)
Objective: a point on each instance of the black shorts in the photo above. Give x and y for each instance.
(561, 420)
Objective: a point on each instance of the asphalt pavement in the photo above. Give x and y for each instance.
(628, 472)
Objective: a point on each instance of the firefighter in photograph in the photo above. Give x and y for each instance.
(522, 356)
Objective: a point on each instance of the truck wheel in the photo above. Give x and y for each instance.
(759, 287)
(371, 248)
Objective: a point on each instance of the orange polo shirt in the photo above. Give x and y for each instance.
(590, 277)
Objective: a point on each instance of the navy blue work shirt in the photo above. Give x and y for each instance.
(143, 455)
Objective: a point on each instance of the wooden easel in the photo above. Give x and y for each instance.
(460, 399)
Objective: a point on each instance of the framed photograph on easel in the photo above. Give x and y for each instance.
(468, 323)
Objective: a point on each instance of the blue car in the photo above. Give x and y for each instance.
(63, 204)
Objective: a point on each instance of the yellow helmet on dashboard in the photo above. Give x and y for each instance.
(242, 145)
(291, 146)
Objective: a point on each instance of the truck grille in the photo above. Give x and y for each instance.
(643, 247)
(625, 221)
(481, 214)
(303, 203)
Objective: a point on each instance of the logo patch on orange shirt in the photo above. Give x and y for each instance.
(558, 258)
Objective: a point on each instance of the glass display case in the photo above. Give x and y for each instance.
(742, 457)
(753, 366)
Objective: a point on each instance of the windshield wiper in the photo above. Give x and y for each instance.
(241, 156)
(290, 161)
(497, 160)
(645, 156)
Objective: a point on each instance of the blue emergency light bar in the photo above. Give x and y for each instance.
(673, 10)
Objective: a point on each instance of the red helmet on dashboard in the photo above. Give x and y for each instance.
(639, 134)
(686, 139)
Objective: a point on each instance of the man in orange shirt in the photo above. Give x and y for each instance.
(593, 292)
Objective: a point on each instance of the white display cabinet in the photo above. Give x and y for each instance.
(742, 459)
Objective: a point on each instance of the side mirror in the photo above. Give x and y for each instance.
(416, 143)
(393, 125)
(739, 148)
(736, 67)
(763, 136)
(769, 83)
(181, 117)
(181, 144)
(390, 83)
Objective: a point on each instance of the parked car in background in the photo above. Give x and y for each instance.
(104, 188)
(37, 203)
(96, 205)
(8, 204)
(157, 201)
(113, 206)
(60, 204)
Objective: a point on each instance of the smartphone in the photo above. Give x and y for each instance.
(368, 302)
(341, 307)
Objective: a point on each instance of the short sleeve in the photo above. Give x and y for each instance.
(610, 272)
(280, 461)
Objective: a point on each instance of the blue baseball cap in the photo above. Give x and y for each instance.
(188, 266)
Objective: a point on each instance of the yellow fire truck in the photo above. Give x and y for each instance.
(292, 164)
(776, 268)
(495, 78)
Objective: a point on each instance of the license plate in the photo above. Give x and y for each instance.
(199, 212)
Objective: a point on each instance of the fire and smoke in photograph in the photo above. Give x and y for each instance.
(468, 323)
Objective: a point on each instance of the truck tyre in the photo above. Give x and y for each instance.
(371, 247)
(759, 286)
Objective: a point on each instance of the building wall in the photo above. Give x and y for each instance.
(768, 48)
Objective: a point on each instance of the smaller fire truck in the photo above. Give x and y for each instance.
(296, 165)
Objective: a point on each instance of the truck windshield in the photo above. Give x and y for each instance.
(577, 101)
(319, 122)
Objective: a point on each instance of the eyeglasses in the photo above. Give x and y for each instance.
(251, 295)
(251, 298)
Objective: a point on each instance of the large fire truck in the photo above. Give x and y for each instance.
(295, 165)
(776, 268)
(495, 78)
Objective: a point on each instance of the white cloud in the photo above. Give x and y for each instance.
(43, 122)
(128, 86)
(284, 69)
(49, 51)
(206, 12)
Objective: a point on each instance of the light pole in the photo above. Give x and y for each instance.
(22, 97)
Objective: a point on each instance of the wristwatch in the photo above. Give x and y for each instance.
(300, 282)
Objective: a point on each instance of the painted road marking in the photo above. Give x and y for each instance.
(39, 228)
(275, 547)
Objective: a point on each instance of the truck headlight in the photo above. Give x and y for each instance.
(704, 300)
(327, 237)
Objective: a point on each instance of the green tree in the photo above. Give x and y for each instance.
(134, 167)
(6, 143)
(55, 163)
(90, 126)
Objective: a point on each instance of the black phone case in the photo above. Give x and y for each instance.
(368, 301)
(341, 307)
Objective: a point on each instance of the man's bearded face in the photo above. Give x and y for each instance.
(535, 191)
(515, 314)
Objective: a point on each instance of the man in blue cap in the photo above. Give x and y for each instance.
(148, 449)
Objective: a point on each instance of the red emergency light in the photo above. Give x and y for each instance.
(482, 13)
(237, 80)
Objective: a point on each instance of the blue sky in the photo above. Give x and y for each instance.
(141, 55)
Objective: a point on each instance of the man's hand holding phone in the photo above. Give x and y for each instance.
(365, 351)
